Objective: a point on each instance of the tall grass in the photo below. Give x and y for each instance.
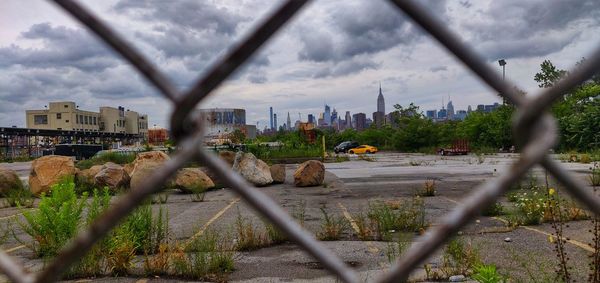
(114, 157)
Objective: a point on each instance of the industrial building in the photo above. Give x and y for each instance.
(66, 115)
(220, 122)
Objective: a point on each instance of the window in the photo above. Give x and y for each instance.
(80, 119)
(76, 119)
(67, 121)
(86, 120)
(58, 116)
(66, 106)
(95, 120)
(40, 119)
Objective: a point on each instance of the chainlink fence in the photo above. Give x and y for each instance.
(534, 129)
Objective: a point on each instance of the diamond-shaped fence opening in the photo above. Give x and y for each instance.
(535, 130)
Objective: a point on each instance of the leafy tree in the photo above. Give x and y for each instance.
(237, 136)
(549, 74)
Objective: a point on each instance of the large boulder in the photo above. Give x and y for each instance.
(309, 173)
(128, 168)
(252, 169)
(87, 175)
(150, 156)
(112, 176)
(141, 172)
(278, 173)
(9, 180)
(227, 156)
(49, 170)
(190, 180)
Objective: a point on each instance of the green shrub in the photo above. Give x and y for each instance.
(487, 274)
(56, 220)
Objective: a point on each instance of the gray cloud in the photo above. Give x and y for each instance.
(196, 31)
(346, 67)
(358, 28)
(517, 29)
(61, 46)
(438, 69)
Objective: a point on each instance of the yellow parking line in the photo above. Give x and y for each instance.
(573, 242)
(210, 221)
(14, 249)
(372, 248)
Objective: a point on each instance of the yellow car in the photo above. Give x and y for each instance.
(363, 149)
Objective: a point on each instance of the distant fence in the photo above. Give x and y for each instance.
(534, 128)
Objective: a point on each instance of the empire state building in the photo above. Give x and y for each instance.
(380, 102)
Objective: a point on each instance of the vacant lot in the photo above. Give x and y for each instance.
(351, 190)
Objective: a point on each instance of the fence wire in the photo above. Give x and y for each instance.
(534, 129)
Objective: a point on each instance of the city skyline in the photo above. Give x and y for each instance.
(338, 63)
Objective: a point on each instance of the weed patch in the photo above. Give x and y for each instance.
(459, 258)
(55, 221)
(408, 217)
(428, 189)
(248, 237)
(332, 227)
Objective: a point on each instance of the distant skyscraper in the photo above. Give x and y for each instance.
(442, 114)
(334, 116)
(460, 115)
(431, 114)
(379, 118)
(271, 116)
(327, 115)
(289, 122)
(380, 101)
(450, 110)
(469, 110)
(348, 120)
(360, 119)
(311, 118)
(275, 121)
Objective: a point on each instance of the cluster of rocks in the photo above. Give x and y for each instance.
(49, 170)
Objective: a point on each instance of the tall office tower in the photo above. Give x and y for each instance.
(348, 120)
(450, 110)
(275, 121)
(271, 116)
(334, 116)
(380, 101)
(327, 115)
(311, 118)
(289, 122)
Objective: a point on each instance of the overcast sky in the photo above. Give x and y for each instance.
(334, 52)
